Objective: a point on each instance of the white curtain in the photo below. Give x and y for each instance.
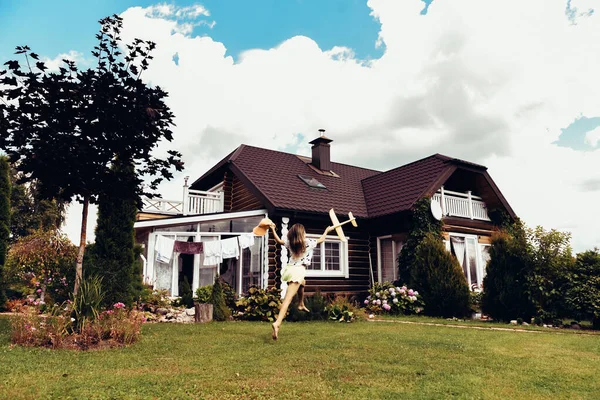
(458, 244)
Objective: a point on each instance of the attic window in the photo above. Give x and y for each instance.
(312, 182)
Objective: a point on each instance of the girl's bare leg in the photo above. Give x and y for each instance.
(292, 289)
(301, 305)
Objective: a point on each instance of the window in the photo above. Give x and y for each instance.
(471, 256)
(388, 250)
(312, 182)
(330, 258)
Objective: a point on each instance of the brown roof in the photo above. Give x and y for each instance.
(273, 177)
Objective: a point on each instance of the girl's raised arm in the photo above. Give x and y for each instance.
(277, 238)
(324, 235)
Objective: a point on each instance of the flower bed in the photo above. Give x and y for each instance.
(114, 327)
(387, 298)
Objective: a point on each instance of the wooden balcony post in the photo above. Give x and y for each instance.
(470, 204)
(443, 201)
(186, 195)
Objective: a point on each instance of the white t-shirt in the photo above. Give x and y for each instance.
(306, 258)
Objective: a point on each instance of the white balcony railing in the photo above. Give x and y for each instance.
(465, 205)
(194, 202)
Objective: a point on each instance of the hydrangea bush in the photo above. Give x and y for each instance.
(390, 299)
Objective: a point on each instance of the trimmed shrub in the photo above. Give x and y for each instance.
(187, 299)
(440, 279)
(220, 310)
(506, 293)
(204, 294)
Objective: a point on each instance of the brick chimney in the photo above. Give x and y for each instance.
(320, 152)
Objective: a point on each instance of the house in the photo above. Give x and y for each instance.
(252, 183)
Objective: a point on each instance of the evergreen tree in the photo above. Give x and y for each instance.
(506, 290)
(113, 255)
(439, 279)
(421, 223)
(4, 223)
(220, 310)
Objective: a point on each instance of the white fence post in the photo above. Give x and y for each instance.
(443, 201)
(470, 204)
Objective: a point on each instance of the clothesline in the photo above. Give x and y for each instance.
(214, 251)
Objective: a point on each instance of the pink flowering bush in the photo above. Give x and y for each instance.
(387, 298)
(116, 326)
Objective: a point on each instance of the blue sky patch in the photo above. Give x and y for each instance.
(573, 136)
(59, 26)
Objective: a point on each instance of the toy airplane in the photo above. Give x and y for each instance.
(338, 225)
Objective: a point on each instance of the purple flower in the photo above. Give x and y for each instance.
(367, 301)
(404, 288)
(402, 291)
(387, 307)
(411, 292)
(39, 290)
(119, 305)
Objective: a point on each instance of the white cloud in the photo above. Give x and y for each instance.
(492, 82)
(593, 137)
(55, 63)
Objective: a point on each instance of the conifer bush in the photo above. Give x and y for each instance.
(506, 294)
(220, 310)
(440, 279)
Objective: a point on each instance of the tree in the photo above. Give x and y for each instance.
(43, 261)
(29, 212)
(113, 253)
(421, 223)
(583, 288)
(439, 279)
(552, 262)
(4, 223)
(65, 129)
(506, 289)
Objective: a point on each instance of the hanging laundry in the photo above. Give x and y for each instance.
(212, 253)
(246, 240)
(188, 247)
(230, 248)
(164, 249)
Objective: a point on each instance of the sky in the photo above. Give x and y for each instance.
(509, 84)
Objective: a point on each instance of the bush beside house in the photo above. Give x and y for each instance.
(4, 224)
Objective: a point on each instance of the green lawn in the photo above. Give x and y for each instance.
(311, 360)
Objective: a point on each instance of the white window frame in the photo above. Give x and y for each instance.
(478, 259)
(323, 273)
(379, 258)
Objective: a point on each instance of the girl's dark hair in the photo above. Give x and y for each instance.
(296, 241)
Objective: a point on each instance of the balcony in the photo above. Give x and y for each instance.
(464, 205)
(194, 202)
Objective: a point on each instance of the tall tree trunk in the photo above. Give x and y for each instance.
(82, 239)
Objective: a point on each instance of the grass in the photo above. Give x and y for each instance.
(311, 360)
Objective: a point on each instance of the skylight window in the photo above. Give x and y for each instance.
(312, 182)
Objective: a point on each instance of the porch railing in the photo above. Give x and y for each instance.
(194, 202)
(465, 205)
